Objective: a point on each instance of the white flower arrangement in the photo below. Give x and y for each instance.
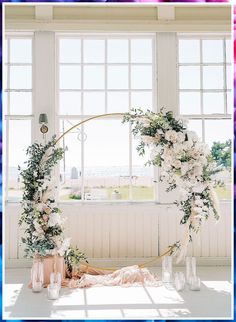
(184, 161)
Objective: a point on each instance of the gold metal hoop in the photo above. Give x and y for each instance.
(153, 259)
(85, 121)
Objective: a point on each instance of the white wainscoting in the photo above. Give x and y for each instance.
(128, 232)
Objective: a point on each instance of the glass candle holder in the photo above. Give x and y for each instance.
(53, 291)
(190, 268)
(179, 281)
(195, 283)
(37, 276)
(167, 269)
(55, 278)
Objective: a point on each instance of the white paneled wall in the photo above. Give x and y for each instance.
(131, 231)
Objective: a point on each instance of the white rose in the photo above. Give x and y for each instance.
(183, 195)
(197, 171)
(159, 131)
(202, 160)
(37, 227)
(184, 168)
(171, 136)
(145, 121)
(195, 153)
(199, 188)
(199, 202)
(147, 139)
(180, 137)
(54, 219)
(197, 210)
(177, 164)
(192, 136)
(187, 145)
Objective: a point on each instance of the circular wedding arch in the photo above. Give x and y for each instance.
(167, 252)
(183, 159)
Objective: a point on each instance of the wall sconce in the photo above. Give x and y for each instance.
(43, 119)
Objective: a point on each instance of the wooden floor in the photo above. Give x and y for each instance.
(213, 301)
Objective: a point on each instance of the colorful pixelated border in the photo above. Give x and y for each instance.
(166, 1)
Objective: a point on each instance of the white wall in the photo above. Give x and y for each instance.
(126, 232)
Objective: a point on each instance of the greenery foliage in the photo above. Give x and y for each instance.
(42, 219)
(221, 154)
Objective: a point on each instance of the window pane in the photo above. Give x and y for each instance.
(141, 77)
(189, 77)
(20, 103)
(70, 103)
(117, 77)
(142, 176)
(5, 51)
(94, 103)
(94, 77)
(94, 51)
(117, 51)
(17, 155)
(107, 174)
(117, 102)
(196, 126)
(212, 51)
(20, 50)
(142, 99)
(212, 133)
(189, 51)
(141, 50)
(70, 51)
(70, 166)
(213, 77)
(20, 77)
(190, 103)
(70, 77)
(213, 103)
(228, 51)
(229, 77)
(229, 103)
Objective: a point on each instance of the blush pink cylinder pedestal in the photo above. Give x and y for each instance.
(53, 264)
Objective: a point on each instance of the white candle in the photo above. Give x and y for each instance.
(166, 277)
(195, 283)
(53, 291)
(37, 287)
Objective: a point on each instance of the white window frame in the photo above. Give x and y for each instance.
(202, 116)
(45, 90)
(6, 93)
(227, 115)
(106, 36)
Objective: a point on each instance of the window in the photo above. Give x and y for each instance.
(205, 87)
(17, 109)
(100, 162)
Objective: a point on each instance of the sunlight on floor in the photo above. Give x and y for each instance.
(13, 291)
(213, 301)
(219, 286)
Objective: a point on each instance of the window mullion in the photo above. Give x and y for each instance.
(224, 75)
(106, 75)
(130, 127)
(82, 126)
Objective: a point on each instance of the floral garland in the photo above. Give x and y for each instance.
(44, 232)
(184, 162)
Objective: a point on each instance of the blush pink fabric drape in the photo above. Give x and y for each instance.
(126, 276)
